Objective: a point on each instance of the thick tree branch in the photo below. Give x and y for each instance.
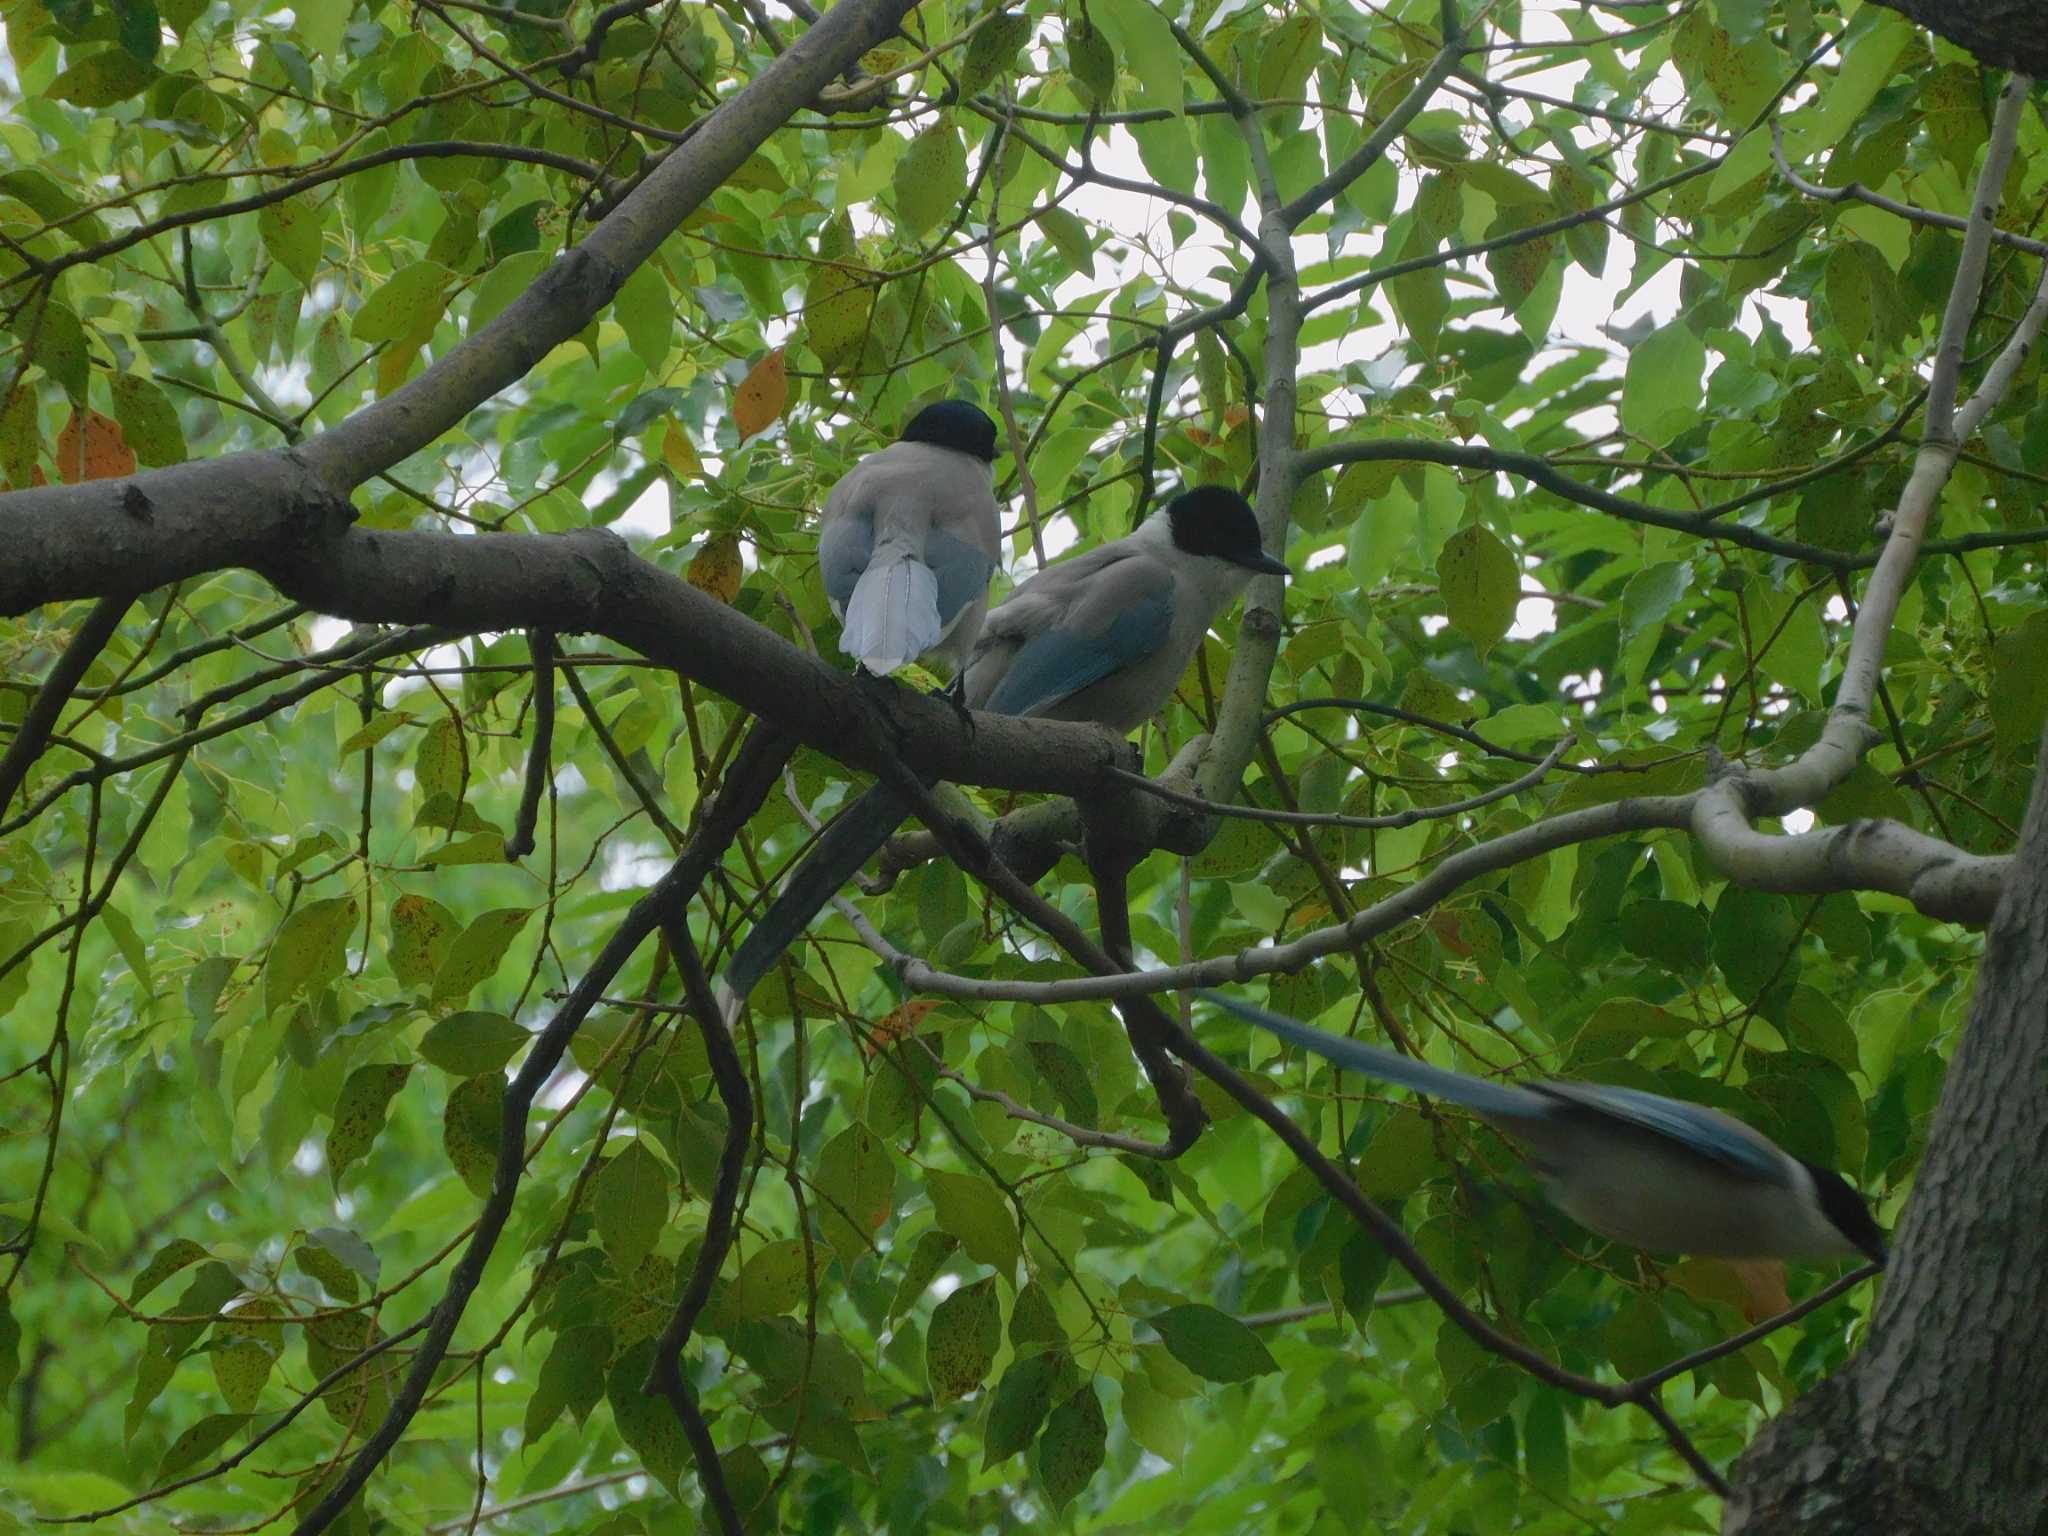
(269, 515)
(583, 280)
(2004, 33)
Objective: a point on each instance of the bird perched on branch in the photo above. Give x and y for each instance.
(909, 539)
(1103, 637)
(1655, 1173)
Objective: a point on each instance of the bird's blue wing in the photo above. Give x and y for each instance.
(1058, 662)
(1705, 1132)
(962, 571)
(845, 545)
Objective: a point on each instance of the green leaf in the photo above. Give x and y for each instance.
(1669, 933)
(359, 1114)
(148, 420)
(291, 232)
(1481, 585)
(137, 28)
(198, 1442)
(1650, 595)
(102, 79)
(476, 952)
(1140, 37)
(1070, 237)
(645, 1421)
(1756, 936)
(421, 929)
(1401, 1157)
(646, 311)
(241, 1367)
(472, 1128)
(1093, 63)
(772, 1280)
(177, 1254)
(976, 1212)
(992, 52)
(441, 764)
(961, 1342)
(1033, 1320)
(1212, 1344)
(838, 305)
(469, 1044)
(1660, 392)
(337, 1277)
(630, 1201)
(1287, 55)
(927, 1258)
(1019, 1404)
(1154, 1420)
(857, 1180)
(572, 1377)
(406, 303)
(2019, 686)
(10, 1348)
(1070, 1451)
(310, 950)
(931, 178)
(54, 341)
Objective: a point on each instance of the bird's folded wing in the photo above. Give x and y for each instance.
(1705, 1132)
(1075, 625)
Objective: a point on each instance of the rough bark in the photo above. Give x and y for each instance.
(1935, 1426)
(2009, 34)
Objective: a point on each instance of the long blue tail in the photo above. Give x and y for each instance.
(1489, 1098)
(847, 844)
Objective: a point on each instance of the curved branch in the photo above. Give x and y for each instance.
(746, 784)
(447, 149)
(33, 733)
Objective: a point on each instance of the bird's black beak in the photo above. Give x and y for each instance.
(1264, 562)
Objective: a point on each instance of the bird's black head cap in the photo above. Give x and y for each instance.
(1215, 520)
(1849, 1212)
(957, 425)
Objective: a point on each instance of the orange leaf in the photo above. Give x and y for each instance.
(901, 1023)
(717, 569)
(92, 448)
(758, 403)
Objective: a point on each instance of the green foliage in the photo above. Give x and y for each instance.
(225, 955)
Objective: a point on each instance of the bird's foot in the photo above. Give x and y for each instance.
(955, 694)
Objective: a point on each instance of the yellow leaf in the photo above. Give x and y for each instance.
(758, 403)
(717, 569)
(680, 454)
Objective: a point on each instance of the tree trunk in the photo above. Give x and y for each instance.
(1936, 1425)
(2009, 34)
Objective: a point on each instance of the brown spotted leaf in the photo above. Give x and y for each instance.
(960, 1345)
(359, 1114)
(471, 1127)
(716, 568)
(1070, 1450)
(420, 930)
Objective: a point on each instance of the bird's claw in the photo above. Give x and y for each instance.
(955, 694)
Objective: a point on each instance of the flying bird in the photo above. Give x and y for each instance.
(1102, 637)
(1655, 1173)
